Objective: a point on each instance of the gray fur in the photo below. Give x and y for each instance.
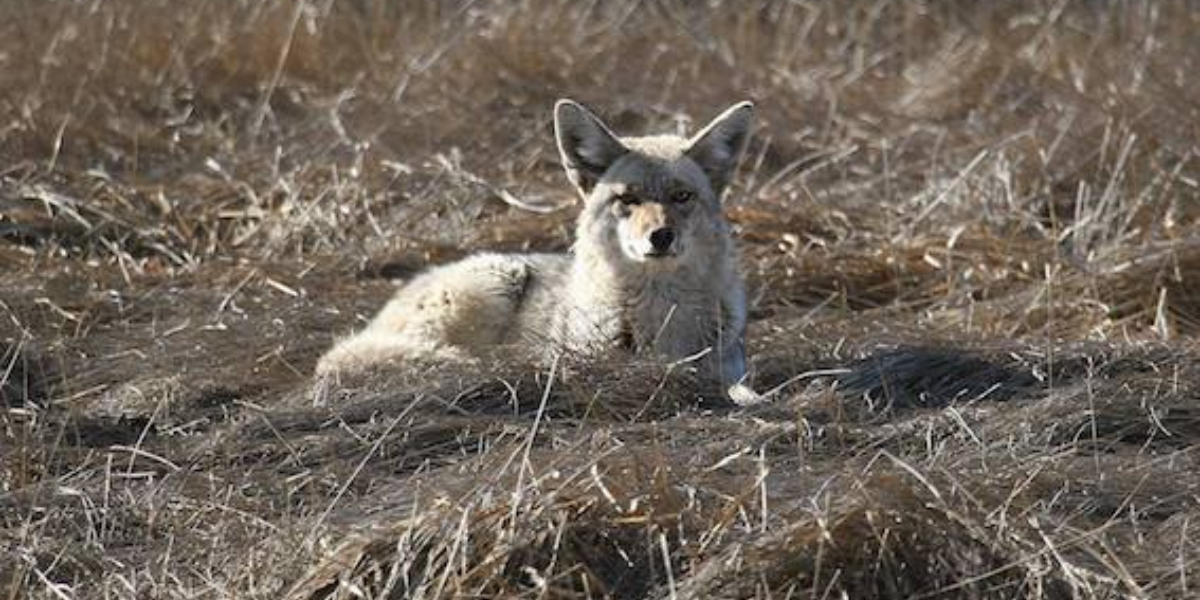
(682, 301)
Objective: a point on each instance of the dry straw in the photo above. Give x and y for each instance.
(969, 230)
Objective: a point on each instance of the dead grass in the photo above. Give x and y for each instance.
(969, 231)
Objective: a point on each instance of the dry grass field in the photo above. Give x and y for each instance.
(969, 229)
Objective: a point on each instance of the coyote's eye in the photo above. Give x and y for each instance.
(682, 196)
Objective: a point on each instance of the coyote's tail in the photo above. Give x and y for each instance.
(930, 377)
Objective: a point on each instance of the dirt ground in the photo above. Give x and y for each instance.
(969, 231)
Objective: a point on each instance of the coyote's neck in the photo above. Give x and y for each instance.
(611, 302)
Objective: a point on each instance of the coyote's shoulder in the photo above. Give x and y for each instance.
(653, 267)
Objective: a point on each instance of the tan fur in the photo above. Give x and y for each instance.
(441, 313)
(647, 217)
(653, 266)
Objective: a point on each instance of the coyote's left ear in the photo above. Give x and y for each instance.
(719, 145)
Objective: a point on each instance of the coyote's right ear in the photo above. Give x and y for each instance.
(586, 145)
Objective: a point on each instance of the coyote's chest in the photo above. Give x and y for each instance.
(670, 317)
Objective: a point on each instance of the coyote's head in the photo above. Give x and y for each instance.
(651, 200)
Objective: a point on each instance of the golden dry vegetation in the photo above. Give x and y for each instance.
(970, 230)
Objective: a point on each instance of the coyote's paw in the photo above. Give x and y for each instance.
(742, 395)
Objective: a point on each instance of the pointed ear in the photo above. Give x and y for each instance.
(586, 145)
(719, 145)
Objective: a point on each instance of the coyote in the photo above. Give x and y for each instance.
(653, 267)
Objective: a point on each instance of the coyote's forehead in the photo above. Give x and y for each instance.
(654, 170)
(666, 147)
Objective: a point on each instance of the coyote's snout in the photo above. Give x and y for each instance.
(653, 267)
(654, 229)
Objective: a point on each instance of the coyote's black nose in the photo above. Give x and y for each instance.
(661, 239)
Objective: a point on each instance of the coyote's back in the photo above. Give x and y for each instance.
(653, 268)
